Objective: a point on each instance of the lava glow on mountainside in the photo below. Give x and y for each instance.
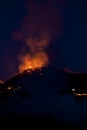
(42, 24)
(36, 62)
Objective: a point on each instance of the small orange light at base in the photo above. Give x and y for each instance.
(1, 82)
(80, 94)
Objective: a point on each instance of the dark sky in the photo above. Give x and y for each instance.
(72, 44)
(70, 50)
(74, 41)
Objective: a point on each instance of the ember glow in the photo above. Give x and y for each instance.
(80, 94)
(36, 62)
(36, 57)
(1, 82)
(41, 25)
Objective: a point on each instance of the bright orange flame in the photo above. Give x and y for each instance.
(37, 61)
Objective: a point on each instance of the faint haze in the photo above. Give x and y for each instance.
(25, 20)
(70, 47)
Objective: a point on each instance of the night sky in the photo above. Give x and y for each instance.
(73, 44)
(11, 14)
(69, 48)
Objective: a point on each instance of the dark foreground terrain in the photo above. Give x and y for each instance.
(41, 99)
(35, 122)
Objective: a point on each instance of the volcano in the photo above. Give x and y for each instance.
(33, 97)
(28, 79)
(46, 76)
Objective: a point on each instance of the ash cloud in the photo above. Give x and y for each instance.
(42, 23)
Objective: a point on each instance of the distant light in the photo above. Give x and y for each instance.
(9, 88)
(73, 89)
(80, 94)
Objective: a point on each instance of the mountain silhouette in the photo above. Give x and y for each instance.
(35, 96)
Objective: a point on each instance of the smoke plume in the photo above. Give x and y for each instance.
(42, 23)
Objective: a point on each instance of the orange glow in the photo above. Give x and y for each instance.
(37, 61)
(70, 71)
(80, 94)
(36, 56)
(1, 82)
